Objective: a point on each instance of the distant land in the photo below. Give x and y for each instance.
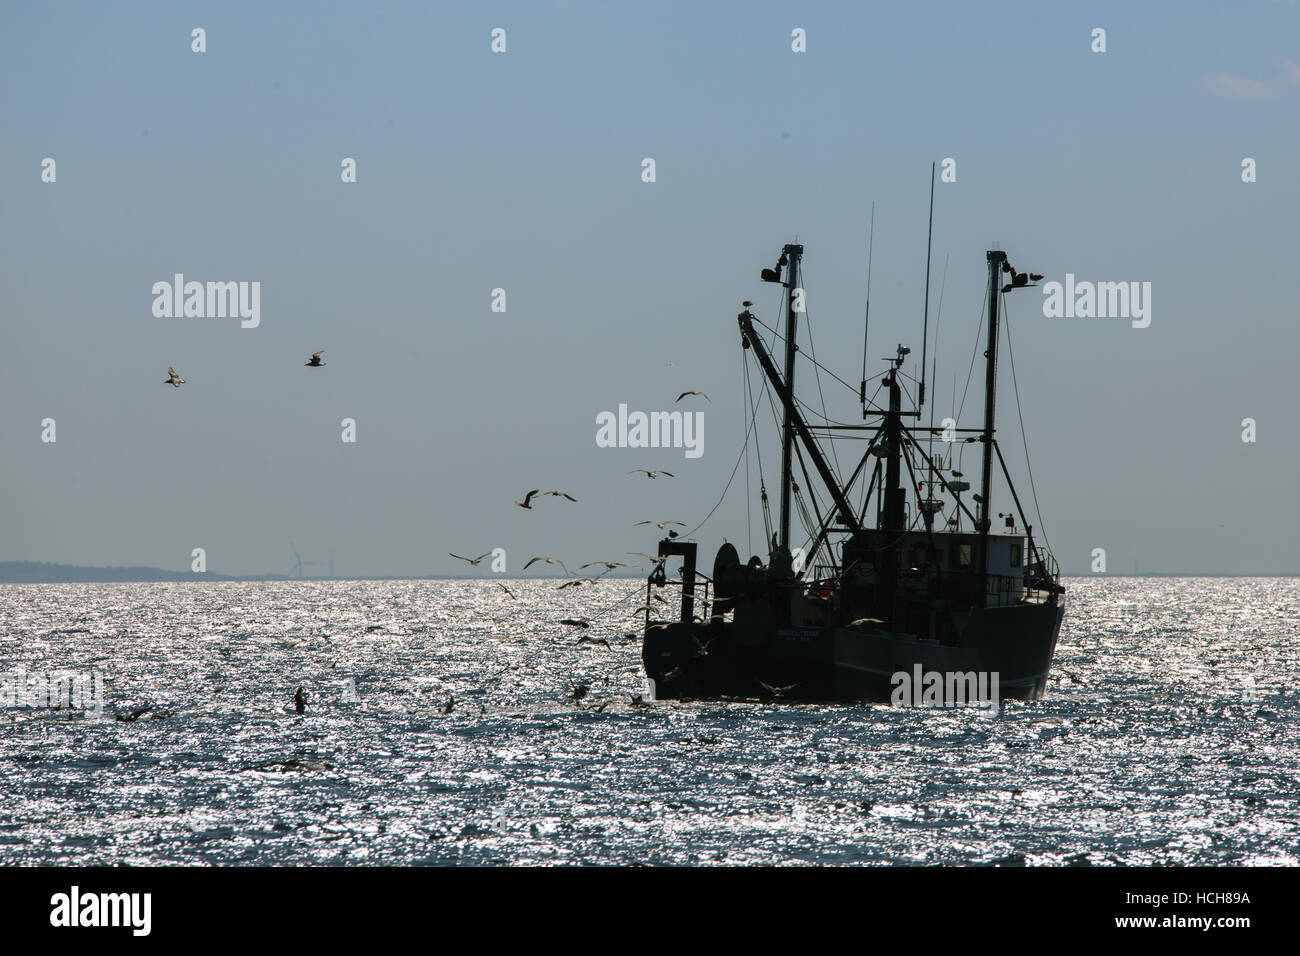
(39, 572)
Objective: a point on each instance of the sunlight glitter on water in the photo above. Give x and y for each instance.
(1147, 749)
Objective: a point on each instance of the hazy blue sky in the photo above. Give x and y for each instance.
(522, 171)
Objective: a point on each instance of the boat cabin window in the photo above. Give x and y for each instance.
(962, 554)
(1015, 555)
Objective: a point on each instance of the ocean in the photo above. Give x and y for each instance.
(441, 727)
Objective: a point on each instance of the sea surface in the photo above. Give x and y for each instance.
(442, 727)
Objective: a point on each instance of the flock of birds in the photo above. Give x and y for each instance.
(175, 381)
(576, 579)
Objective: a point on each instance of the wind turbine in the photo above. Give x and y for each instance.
(300, 563)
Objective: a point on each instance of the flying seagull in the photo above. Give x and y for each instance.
(584, 639)
(576, 583)
(582, 622)
(694, 391)
(661, 524)
(560, 494)
(173, 379)
(652, 474)
(315, 359)
(527, 498)
(609, 565)
(506, 589)
(779, 691)
(548, 561)
(473, 561)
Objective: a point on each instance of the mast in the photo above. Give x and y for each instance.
(997, 261)
(894, 518)
(792, 253)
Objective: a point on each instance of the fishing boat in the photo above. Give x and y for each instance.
(930, 591)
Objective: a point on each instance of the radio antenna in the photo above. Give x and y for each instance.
(871, 245)
(925, 328)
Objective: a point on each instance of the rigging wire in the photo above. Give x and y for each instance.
(934, 375)
(752, 411)
(781, 339)
(983, 308)
(1024, 436)
(812, 352)
(744, 449)
(758, 451)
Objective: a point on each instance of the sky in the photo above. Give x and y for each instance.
(523, 170)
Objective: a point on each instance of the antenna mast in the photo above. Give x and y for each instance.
(866, 322)
(925, 327)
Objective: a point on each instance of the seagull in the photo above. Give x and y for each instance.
(584, 639)
(506, 589)
(299, 700)
(779, 691)
(173, 379)
(609, 565)
(576, 583)
(583, 622)
(661, 524)
(694, 391)
(560, 494)
(651, 474)
(532, 561)
(473, 561)
(527, 498)
(315, 359)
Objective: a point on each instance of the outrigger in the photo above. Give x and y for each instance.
(902, 597)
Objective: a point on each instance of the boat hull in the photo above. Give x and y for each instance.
(1010, 647)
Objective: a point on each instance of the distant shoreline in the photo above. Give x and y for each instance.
(37, 572)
